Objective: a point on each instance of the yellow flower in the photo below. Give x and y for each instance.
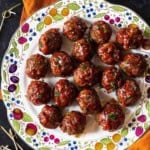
(53, 12)
(47, 20)
(65, 12)
(98, 146)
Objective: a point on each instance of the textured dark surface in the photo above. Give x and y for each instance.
(142, 7)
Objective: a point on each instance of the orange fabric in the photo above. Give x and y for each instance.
(30, 6)
(142, 144)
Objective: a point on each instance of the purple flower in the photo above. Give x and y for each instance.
(139, 130)
(12, 88)
(22, 40)
(147, 79)
(25, 28)
(14, 79)
(111, 21)
(141, 118)
(106, 17)
(117, 19)
(12, 68)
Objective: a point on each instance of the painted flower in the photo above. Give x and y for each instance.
(147, 79)
(17, 114)
(139, 130)
(31, 129)
(141, 118)
(22, 40)
(12, 87)
(12, 68)
(25, 28)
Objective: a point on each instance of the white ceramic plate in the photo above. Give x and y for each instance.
(23, 116)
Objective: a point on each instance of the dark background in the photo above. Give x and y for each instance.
(142, 7)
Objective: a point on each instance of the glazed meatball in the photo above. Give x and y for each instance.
(100, 32)
(50, 41)
(89, 101)
(82, 50)
(64, 93)
(74, 28)
(133, 65)
(73, 122)
(129, 93)
(38, 92)
(50, 117)
(111, 79)
(86, 74)
(111, 117)
(130, 37)
(109, 53)
(61, 64)
(37, 66)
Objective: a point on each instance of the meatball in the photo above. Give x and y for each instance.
(109, 53)
(133, 65)
(38, 92)
(89, 101)
(111, 117)
(86, 74)
(50, 41)
(64, 93)
(50, 117)
(100, 32)
(74, 28)
(111, 79)
(37, 66)
(129, 93)
(130, 37)
(61, 64)
(73, 122)
(82, 50)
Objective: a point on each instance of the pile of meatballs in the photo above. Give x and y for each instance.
(121, 67)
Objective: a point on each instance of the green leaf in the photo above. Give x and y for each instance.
(118, 8)
(40, 26)
(147, 32)
(16, 125)
(89, 148)
(44, 148)
(14, 44)
(100, 15)
(148, 106)
(17, 89)
(15, 51)
(135, 18)
(146, 126)
(105, 141)
(26, 46)
(73, 6)
(58, 17)
(4, 76)
(138, 111)
(18, 33)
(58, 5)
(6, 92)
(27, 118)
(63, 143)
(28, 139)
(124, 132)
